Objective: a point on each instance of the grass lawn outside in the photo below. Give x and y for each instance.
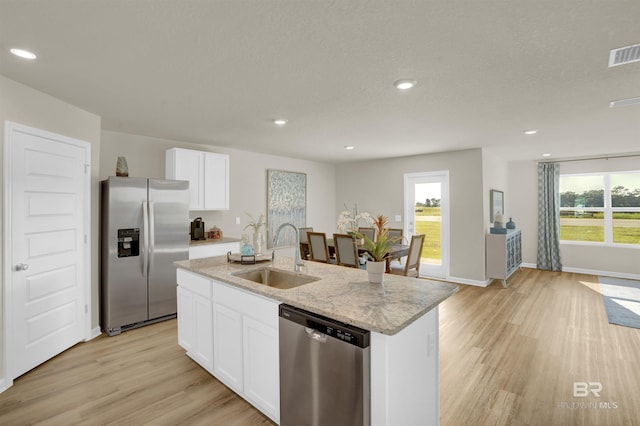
(431, 229)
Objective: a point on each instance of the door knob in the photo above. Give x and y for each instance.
(22, 267)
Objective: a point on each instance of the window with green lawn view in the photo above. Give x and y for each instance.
(600, 208)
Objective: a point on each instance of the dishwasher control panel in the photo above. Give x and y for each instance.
(338, 330)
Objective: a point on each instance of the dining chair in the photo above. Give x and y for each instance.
(318, 250)
(370, 233)
(394, 235)
(346, 250)
(304, 241)
(411, 267)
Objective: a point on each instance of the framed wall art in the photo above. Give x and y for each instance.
(286, 203)
(497, 203)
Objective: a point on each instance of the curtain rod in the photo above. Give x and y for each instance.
(589, 158)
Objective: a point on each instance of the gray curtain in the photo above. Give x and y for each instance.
(549, 217)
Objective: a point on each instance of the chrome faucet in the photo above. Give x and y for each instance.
(297, 261)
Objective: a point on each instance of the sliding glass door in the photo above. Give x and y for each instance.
(427, 212)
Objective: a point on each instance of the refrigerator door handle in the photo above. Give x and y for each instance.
(152, 236)
(145, 239)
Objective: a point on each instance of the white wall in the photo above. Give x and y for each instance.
(24, 105)
(248, 178)
(378, 187)
(596, 259)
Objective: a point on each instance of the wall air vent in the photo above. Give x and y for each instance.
(624, 55)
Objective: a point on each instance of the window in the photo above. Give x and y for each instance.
(600, 208)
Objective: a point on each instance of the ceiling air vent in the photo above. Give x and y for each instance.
(624, 55)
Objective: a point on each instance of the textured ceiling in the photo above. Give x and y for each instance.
(218, 72)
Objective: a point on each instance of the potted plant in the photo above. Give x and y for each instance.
(378, 250)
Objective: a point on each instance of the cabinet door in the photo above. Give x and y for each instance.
(216, 181)
(261, 366)
(186, 321)
(227, 348)
(186, 164)
(202, 350)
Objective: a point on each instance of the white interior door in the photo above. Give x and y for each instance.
(427, 212)
(46, 239)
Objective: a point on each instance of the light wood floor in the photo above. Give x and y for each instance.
(508, 357)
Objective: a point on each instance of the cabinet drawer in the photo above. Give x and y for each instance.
(260, 308)
(195, 283)
(211, 250)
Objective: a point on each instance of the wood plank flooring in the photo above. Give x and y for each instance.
(511, 356)
(507, 356)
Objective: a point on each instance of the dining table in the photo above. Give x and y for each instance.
(396, 251)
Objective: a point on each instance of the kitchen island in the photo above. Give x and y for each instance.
(229, 325)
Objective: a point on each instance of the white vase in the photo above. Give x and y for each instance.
(258, 240)
(376, 271)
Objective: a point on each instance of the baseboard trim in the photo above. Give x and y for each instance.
(603, 273)
(4, 385)
(467, 281)
(95, 332)
(596, 272)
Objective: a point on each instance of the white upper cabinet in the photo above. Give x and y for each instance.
(207, 173)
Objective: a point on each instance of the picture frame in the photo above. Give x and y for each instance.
(496, 203)
(286, 203)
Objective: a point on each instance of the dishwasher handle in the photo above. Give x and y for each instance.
(315, 335)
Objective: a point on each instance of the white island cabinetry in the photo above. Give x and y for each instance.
(402, 316)
(242, 345)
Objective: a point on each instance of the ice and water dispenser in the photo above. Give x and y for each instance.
(128, 242)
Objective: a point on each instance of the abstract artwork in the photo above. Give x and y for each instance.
(286, 203)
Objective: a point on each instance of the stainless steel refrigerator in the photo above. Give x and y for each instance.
(144, 229)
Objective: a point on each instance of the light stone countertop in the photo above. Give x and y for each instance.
(342, 293)
(212, 241)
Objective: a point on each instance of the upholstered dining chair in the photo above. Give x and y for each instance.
(411, 267)
(318, 249)
(394, 235)
(346, 250)
(370, 233)
(304, 242)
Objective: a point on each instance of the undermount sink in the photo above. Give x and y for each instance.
(276, 278)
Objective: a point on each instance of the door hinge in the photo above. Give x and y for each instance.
(85, 238)
(86, 309)
(86, 168)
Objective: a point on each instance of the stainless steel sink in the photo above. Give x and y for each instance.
(276, 278)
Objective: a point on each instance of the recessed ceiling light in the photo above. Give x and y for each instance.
(349, 147)
(25, 54)
(404, 84)
(530, 132)
(624, 102)
(546, 155)
(279, 121)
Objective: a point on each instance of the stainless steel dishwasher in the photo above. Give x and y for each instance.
(324, 371)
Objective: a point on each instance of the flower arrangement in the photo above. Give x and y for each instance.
(349, 220)
(258, 238)
(379, 249)
(256, 224)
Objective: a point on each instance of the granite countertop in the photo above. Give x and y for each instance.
(213, 241)
(341, 293)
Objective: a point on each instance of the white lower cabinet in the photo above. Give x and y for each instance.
(227, 350)
(195, 329)
(236, 340)
(261, 379)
